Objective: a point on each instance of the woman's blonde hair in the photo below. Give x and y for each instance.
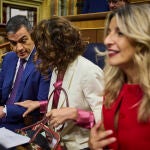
(134, 22)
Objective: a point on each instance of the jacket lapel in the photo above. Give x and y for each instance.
(68, 77)
(11, 73)
(9, 77)
(28, 69)
(66, 85)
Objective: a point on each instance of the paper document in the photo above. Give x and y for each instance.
(10, 139)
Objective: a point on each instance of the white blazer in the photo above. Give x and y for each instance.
(83, 82)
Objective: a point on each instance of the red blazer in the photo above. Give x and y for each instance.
(130, 133)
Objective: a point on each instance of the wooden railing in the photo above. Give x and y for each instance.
(92, 25)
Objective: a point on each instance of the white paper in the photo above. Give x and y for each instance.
(10, 139)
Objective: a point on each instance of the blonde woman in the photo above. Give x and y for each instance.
(126, 108)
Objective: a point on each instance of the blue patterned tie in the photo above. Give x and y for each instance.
(13, 93)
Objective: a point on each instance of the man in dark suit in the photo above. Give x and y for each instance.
(93, 6)
(32, 85)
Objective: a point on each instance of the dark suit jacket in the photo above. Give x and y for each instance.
(33, 87)
(93, 6)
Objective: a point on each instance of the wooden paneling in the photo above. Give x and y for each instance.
(100, 35)
(139, 1)
(90, 25)
(2, 29)
(93, 35)
(89, 36)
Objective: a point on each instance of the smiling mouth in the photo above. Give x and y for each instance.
(112, 53)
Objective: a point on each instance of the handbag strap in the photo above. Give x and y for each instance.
(43, 121)
(65, 93)
(66, 98)
(40, 127)
(60, 77)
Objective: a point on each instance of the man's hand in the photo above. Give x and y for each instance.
(30, 105)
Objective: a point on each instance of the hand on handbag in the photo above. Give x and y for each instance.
(42, 136)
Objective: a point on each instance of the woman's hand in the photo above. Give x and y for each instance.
(99, 138)
(59, 116)
(30, 105)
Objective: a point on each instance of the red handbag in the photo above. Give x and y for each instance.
(42, 137)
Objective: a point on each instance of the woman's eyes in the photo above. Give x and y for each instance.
(115, 31)
(120, 33)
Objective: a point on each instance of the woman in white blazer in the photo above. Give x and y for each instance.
(59, 48)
